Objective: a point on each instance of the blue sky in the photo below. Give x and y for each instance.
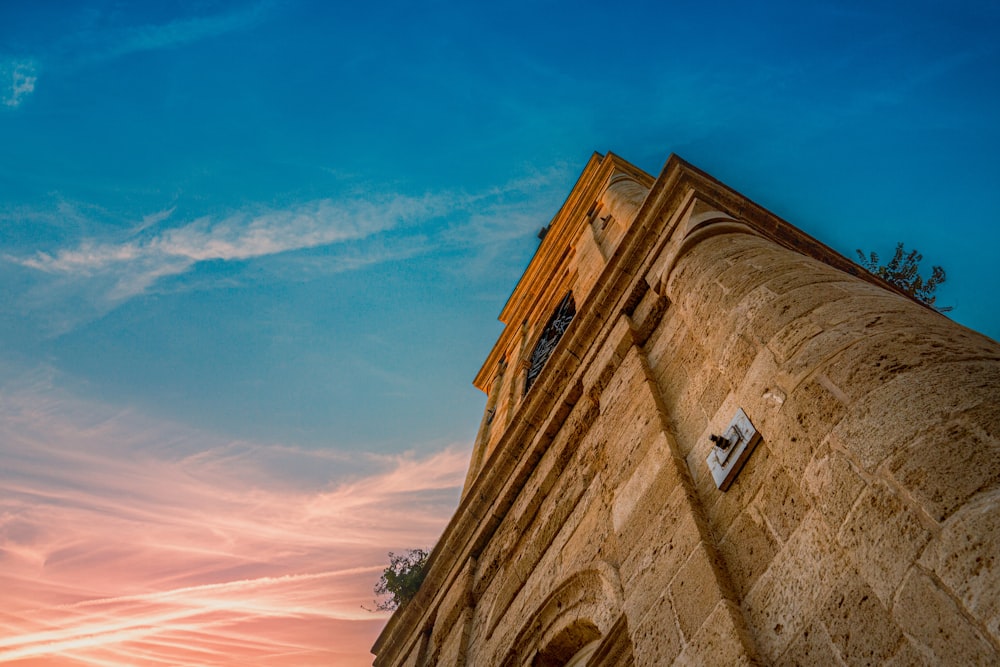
(279, 233)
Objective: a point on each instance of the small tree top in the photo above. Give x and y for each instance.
(903, 271)
(402, 579)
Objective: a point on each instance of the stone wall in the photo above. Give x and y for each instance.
(855, 528)
(863, 529)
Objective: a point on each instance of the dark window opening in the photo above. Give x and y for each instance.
(550, 337)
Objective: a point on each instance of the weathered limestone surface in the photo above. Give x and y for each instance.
(864, 529)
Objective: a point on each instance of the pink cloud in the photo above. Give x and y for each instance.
(129, 542)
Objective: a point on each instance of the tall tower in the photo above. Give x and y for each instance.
(711, 439)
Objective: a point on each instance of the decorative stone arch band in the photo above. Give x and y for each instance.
(577, 616)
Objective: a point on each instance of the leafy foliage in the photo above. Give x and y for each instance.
(903, 271)
(402, 579)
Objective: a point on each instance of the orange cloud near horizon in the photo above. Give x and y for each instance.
(126, 542)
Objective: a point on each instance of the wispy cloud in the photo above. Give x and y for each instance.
(153, 219)
(128, 267)
(110, 264)
(126, 541)
(17, 81)
(150, 37)
(103, 36)
(102, 41)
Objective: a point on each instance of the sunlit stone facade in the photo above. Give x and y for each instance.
(862, 529)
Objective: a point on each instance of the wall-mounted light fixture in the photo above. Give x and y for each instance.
(732, 449)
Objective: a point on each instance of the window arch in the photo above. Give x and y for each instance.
(574, 623)
(571, 647)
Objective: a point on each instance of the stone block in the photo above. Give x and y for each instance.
(815, 406)
(966, 558)
(555, 515)
(806, 274)
(884, 423)
(651, 559)
(792, 448)
(701, 475)
(747, 549)
(874, 308)
(907, 655)
(815, 351)
(759, 393)
(751, 251)
(715, 390)
(743, 276)
(666, 337)
(694, 591)
(629, 435)
(674, 382)
(947, 465)
(783, 309)
(493, 559)
(458, 597)
(452, 648)
(646, 317)
(782, 504)
(877, 359)
(535, 542)
(608, 357)
(656, 639)
(719, 642)
(811, 648)
(744, 304)
(784, 598)
(858, 624)
(932, 620)
(883, 537)
(790, 338)
(832, 482)
(696, 306)
(590, 533)
(689, 427)
(656, 467)
(697, 270)
(737, 358)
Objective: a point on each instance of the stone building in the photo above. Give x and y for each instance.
(671, 337)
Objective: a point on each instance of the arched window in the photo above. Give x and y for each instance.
(550, 337)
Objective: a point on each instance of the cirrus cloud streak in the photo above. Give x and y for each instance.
(125, 541)
(132, 265)
(108, 264)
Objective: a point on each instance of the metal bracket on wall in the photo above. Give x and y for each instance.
(732, 449)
